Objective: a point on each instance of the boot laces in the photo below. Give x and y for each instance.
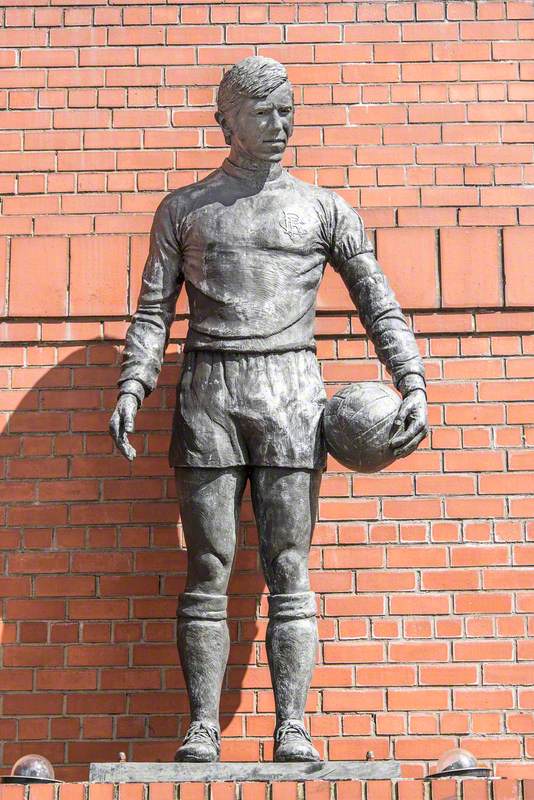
(202, 731)
(292, 727)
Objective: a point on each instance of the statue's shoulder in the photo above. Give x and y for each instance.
(333, 203)
(321, 194)
(188, 193)
(178, 202)
(304, 186)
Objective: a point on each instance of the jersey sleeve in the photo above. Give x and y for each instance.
(345, 232)
(373, 297)
(148, 333)
(384, 323)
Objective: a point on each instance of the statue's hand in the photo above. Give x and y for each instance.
(410, 425)
(122, 423)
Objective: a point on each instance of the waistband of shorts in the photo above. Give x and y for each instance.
(312, 348)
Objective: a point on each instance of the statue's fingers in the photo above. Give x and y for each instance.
(402, 437)
(402, 433)
(129, 423)
(125, 447)
(114, 425)
(411, 445)
(398, 422)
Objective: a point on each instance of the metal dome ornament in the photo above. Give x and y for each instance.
(31, 768)
(457, 763)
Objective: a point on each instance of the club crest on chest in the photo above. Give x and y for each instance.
(292, 225)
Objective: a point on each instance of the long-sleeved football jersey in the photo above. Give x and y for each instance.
(252, 253)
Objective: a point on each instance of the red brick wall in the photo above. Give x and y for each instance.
(420, 115)
(409, 789)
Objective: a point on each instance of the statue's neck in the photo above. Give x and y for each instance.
(262, 170)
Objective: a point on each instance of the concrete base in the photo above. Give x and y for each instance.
(145, 772)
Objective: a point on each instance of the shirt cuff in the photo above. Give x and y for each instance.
(133, 387)
(410, 383)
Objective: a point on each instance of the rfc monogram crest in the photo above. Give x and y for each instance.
(292, 224)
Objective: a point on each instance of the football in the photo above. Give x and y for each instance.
(357, 426)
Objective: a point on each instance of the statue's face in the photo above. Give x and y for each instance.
(260, 128)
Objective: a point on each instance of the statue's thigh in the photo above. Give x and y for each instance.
(210, 500)
(285, 506)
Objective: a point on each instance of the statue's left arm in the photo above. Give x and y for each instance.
(351, 254)
(395, 346)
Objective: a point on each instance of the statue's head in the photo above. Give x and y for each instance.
(255, 108)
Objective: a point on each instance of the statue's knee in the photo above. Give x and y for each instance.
(290, 571)
(211, 571)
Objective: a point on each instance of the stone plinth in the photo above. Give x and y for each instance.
(139, 772)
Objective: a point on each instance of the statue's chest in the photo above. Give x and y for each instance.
(261, 222)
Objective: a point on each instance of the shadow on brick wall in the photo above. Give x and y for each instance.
(94, 559)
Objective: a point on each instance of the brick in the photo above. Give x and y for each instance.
(3, 275)
(462, 51)
(433, 73)
(33, 656)
(516, 243)
(73, 791)
(470, 264)
(425, 651)
(413, 281)
(353, 700)
(404, 51)
(369, 73)
(38, 562)
(411, 509)
(49, 285)
(193, 791)
(67, 585)
(372, 33)
(161, 791)
(485, 112)
(425, 31)
(98, 275)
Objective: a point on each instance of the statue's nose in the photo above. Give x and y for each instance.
(277, 123)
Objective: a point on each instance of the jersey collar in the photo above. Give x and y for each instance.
(249, 174)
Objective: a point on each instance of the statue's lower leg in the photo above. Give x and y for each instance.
(291, 649)
(203, 644)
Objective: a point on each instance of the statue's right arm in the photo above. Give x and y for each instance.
(148, 333)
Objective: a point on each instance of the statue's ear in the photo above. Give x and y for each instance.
(227, 132)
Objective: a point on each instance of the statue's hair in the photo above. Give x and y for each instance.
(255, 76)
